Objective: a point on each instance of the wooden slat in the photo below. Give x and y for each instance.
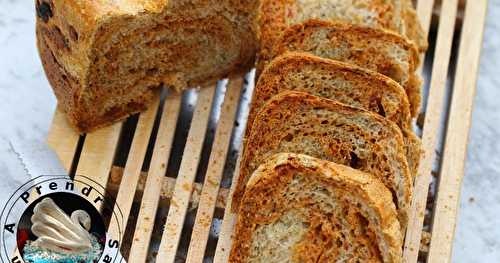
(98, 154)
(228, 223)
(460, 11)
(63, 139)
(156, 175)
(452, 169)
(424, 13)
(213, 176)
(433, 113)
(167, 189)
(185, 179)
(132, 171)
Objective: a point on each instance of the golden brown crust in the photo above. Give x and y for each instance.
(414, 152)
(86, 48)
(414, 91)
(282, 120)
(366, 47)
(262, 204)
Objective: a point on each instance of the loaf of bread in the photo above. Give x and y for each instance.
(296, 122)
(301, 209)
(373, 49)
(397, 16)
(342, 82)
(104, 58)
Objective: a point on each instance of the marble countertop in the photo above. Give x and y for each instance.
(27, 104)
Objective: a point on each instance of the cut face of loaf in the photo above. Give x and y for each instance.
(341, 82)
(103, 58)
(301, 209)
(373, 49)
(296, 122)
(395, 15)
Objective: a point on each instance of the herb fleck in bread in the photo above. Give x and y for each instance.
(342, 82)
(301, 209)
(103, 58)
(373, 49)
(297, 122)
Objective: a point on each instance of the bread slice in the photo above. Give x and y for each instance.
(104, 58)
(276, 16)
(301, 209)
(373, 49)
(342, 82)
(297, 122)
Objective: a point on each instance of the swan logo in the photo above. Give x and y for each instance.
(59, 219)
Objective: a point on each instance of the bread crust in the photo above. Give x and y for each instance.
(375, 92)
(374, 49)
(82, 45)
(263, 194)
(270, 131)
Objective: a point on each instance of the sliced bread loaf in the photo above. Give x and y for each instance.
(297, 122)
(373, 49)
(301, 209)
(342, 82)
(103, 58)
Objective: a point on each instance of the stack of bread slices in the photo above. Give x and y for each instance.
(330, 155)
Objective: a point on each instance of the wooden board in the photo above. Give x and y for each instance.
(182, 154)
(459, 122)
(156, 176)
(433, 119)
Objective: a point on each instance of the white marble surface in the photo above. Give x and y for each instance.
(27, 103)
(26, 100)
